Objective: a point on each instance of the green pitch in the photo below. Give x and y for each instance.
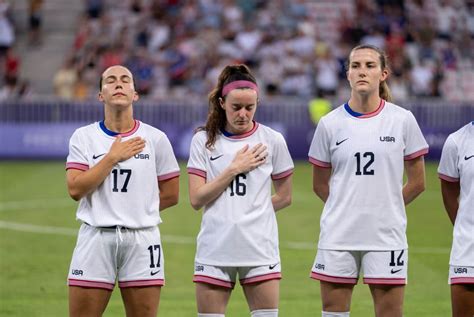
(38, 232)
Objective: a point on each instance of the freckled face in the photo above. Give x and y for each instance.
(239, 106)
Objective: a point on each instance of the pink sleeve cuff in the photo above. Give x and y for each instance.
(168, 176)
(283, 174)
(197, 172)
(77, 166)
(416, 154)
(319, 163)
(448, 178)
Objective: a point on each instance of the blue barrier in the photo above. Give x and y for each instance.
(42, 130)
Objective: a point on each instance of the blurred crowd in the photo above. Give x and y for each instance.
(176, 48)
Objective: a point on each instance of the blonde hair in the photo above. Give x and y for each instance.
(384, 90)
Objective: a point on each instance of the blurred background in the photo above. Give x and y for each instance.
(52, 53)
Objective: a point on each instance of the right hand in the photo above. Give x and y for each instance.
(122, 151)
(248, 159)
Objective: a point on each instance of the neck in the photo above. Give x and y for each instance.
(364, 104)
(119, 121)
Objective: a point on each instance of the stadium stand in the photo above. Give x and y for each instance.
(297, 48)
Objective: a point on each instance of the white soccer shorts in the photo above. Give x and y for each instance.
(379, 267)
(227, 276)
(134, 257)
(461, 274)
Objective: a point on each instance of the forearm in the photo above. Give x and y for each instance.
(411, 190)
(450, 192)
(280, 202)
(208, 192)
(83, 183)
(322, 192)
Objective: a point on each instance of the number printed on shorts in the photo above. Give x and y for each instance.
(399, 262)
(155, 249)
(238, 186)
(370, 158)
(128, 174)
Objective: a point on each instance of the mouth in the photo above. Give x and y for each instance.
(119, 94)
(362, 82)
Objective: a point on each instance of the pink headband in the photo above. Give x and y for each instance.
(238, 84)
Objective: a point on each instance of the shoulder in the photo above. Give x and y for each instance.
(269, 133)
(461, 134)
(398, 111)
(85, 130)
(335, 115)
(151, 131)
(200, 137)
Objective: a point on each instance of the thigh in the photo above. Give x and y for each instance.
(262, 295)
(93, 263)
(385, 267)
(211, 298)
(462, 299)
(141, 301)
(141, 261)
(388, 299)
(336, 297)
(340, 267)
(90, 302)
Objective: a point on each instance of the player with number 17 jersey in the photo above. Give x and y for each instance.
(366, 153)
(244, 214)
(129, 196)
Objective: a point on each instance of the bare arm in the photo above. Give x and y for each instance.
(321, 177)
(80, 183)
(202, 193)
(282, 196)
(415, 185)
(450, 192)
(169, 192)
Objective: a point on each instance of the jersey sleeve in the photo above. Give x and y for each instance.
(415, 143)
(281, 159)
(447, 169)
(319, 154)
(166, 165)
(76, 158)
(197, 156)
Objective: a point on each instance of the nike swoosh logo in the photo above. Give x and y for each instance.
(468, 157)
(97, 156)
(395, 271)
(215, 157)
(271, 267)
(339, 142)
(154, 273)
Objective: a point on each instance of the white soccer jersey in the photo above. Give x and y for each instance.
(365, 208)
(129, 196)
(239, 228)
(457, 165)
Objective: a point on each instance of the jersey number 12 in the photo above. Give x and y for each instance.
(366, 170)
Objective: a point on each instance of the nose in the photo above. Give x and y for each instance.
(242, 112)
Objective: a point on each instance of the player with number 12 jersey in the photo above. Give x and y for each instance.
(366, 154)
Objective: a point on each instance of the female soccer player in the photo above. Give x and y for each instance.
(456, 171)
(359, 153)
(232, 165)
(123, 172)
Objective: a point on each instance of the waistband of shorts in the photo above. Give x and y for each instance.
(111, 227)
